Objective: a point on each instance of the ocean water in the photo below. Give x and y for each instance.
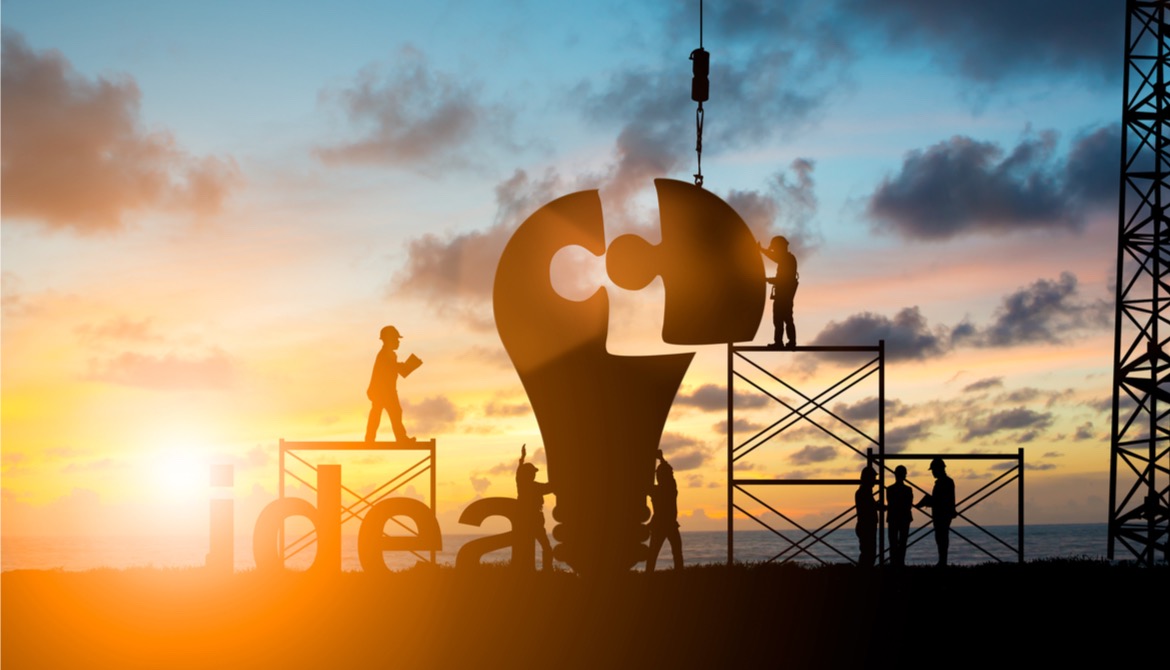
(699, 547)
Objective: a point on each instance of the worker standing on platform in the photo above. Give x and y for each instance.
(383, 389)
(664, 523)
(783, 290)
(530, 495)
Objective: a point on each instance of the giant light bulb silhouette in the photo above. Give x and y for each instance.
(600, 415)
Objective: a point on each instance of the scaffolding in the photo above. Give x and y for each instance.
(1139, 506)
(293, 462)
(811, 409)
(814, 410)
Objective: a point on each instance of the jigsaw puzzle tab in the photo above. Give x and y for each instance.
(709, 263)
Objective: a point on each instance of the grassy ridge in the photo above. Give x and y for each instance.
(707, 616)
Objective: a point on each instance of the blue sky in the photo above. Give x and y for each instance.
(940, 166)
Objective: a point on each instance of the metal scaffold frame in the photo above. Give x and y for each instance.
(793, 416)
(872, 449)
(355, 511)
(1140, 439)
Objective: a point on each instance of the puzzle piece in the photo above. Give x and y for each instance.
(709, 262)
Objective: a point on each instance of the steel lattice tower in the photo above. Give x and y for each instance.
(1139, 489)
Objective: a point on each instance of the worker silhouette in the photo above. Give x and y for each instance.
(784, 285)
(867, 509)
(664, 523)
(383, 389)
(529, 524)
(899, 501)
(941, 502)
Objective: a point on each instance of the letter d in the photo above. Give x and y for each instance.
(325, 517)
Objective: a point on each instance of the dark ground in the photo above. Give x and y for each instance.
(1044, 613)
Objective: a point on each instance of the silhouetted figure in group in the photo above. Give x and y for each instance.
(529, 526)
(783, 290)
(867, 517)
(383, 389)
(899, 501)
(941, 502)
(664, 523)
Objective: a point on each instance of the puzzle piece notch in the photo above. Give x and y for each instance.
(709, 262)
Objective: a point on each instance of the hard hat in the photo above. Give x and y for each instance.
(389, 331)
(937, 463)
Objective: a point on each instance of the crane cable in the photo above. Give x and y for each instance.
(700, 91)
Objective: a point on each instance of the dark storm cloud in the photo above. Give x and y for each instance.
(411, 114)
(962, 186)
(907, 335)
(1006, 420)
(983, 384)
(992, 40)
(76, 155)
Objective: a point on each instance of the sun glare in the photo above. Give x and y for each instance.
(180, 473)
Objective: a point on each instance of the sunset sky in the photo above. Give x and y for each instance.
(210, 209)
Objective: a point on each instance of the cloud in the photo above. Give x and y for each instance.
(410, 115)
(899, 438)
(429, 416)
(1012, 419)
(993, 40)
(684, 452)
(787, 207)
(93, 466)
(76, 157)
(117, 328)
(962, 186)
(456, 272)
(813, 454)
(1029, 394)
(778, 79)
(215, 370)
(500, 408)
(907, 335)
(1046, 311)
(742, 427)
(1084, 432)
(1007, 465)
(983, 384)
(480, 484)
(867, 408)
(713, 398)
